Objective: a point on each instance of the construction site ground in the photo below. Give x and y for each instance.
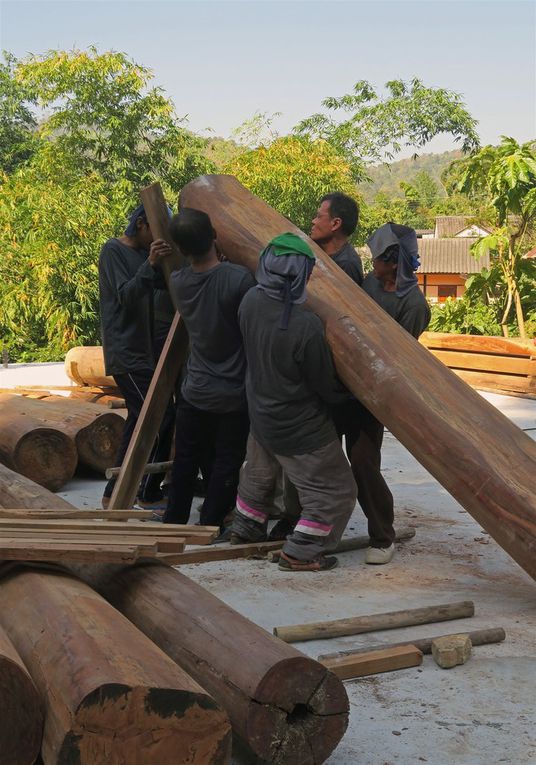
(481, 713)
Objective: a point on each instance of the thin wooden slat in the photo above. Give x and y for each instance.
(57, 552)
(478, 343)
(374, 662)
(497, 382)
(104, 515)
(487, 362)
(146, 544)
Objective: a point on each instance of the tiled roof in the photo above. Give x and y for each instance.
(450, 225)
(449, 256)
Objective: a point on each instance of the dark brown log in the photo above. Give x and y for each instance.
(477, 637)
(167, 370)
(356, 625)
(31, 447)
(110, 694)
(96, 433)
(286, 707)
(485, 461)
(21, 715)
(85, 366)
(18, 491)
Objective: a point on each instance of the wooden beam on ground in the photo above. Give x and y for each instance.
(285, 706)
(374, 662)
(21, 717)
(110, 694)
(143, 544)
(483, 459)
(478, 637)
(166, 373)
(60, 552)
(149, 469)
(357, 625)
(99, 514)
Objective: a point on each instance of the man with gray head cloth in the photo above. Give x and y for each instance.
(290, 384)
(393, 285)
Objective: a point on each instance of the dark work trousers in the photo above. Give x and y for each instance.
(363, 435)
(134, 387)
(198, 431)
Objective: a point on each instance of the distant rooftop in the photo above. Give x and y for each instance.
(449, 256)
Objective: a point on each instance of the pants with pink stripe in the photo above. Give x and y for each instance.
(326, 488)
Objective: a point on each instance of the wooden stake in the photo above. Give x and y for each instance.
(388, 621)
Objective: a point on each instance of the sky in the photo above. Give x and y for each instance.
(222, 61)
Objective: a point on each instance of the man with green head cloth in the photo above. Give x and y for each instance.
(290, 385)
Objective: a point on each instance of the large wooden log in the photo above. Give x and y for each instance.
(485, 461)
(96, 432)
(21, 715)
(85, 366)
(18, 491)
(110, 694)
(30, 447)
(287, 708)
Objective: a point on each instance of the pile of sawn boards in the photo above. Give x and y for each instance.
(136, 664)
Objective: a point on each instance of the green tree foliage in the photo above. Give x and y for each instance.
(411, 114)
(17, 122)
(507, 175)
(292, 174)
(464, 317)
(102, 134)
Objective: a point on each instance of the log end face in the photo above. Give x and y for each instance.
(46, 456)
(299, 714)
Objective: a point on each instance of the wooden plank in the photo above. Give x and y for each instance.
(167, 370)
(149, 469)
(511, 365)
(58, 552)
(146, 544)
(478, 637)
(104, 515)
(482, 458)
(374, 662)
(356, 625)
(478, 343)
(497, 382)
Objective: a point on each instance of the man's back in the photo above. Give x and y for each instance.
(208, 302)
(290, 376)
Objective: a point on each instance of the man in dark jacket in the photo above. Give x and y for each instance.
(128, 267)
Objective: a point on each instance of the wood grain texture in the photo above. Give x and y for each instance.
(85, 366)
(36, 450)
(286, 707)
(110, 694)
(374, 662)
(21, 716)
(356, 625)
(485, 461)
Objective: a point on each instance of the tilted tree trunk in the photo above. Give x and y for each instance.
(485, 461)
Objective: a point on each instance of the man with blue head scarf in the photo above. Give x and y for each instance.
(290, 384)
(128, 275)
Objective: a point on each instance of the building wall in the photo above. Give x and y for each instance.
(438, 287)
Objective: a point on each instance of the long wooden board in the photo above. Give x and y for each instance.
(485, 461)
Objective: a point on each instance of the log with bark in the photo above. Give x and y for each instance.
(32, 448)
(21, 714)
(96, 433)
(285, 707)
(485, 461)
(110, 695)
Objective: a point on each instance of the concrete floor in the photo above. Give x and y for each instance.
(482, 713)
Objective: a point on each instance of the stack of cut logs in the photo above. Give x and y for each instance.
(48, 432)
(137, 663)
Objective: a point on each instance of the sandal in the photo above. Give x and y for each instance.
(286, 563)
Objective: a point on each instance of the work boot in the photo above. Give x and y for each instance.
(281, 530)
(378, 556)
(322, 563)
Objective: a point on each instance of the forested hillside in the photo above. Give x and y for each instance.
(387, 178)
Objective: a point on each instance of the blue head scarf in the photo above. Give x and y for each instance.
(285, 266)
(139, 212)
(401, 239)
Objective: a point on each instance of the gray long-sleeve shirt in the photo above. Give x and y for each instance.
(290, 379)
(412, 311)
(126, 282)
